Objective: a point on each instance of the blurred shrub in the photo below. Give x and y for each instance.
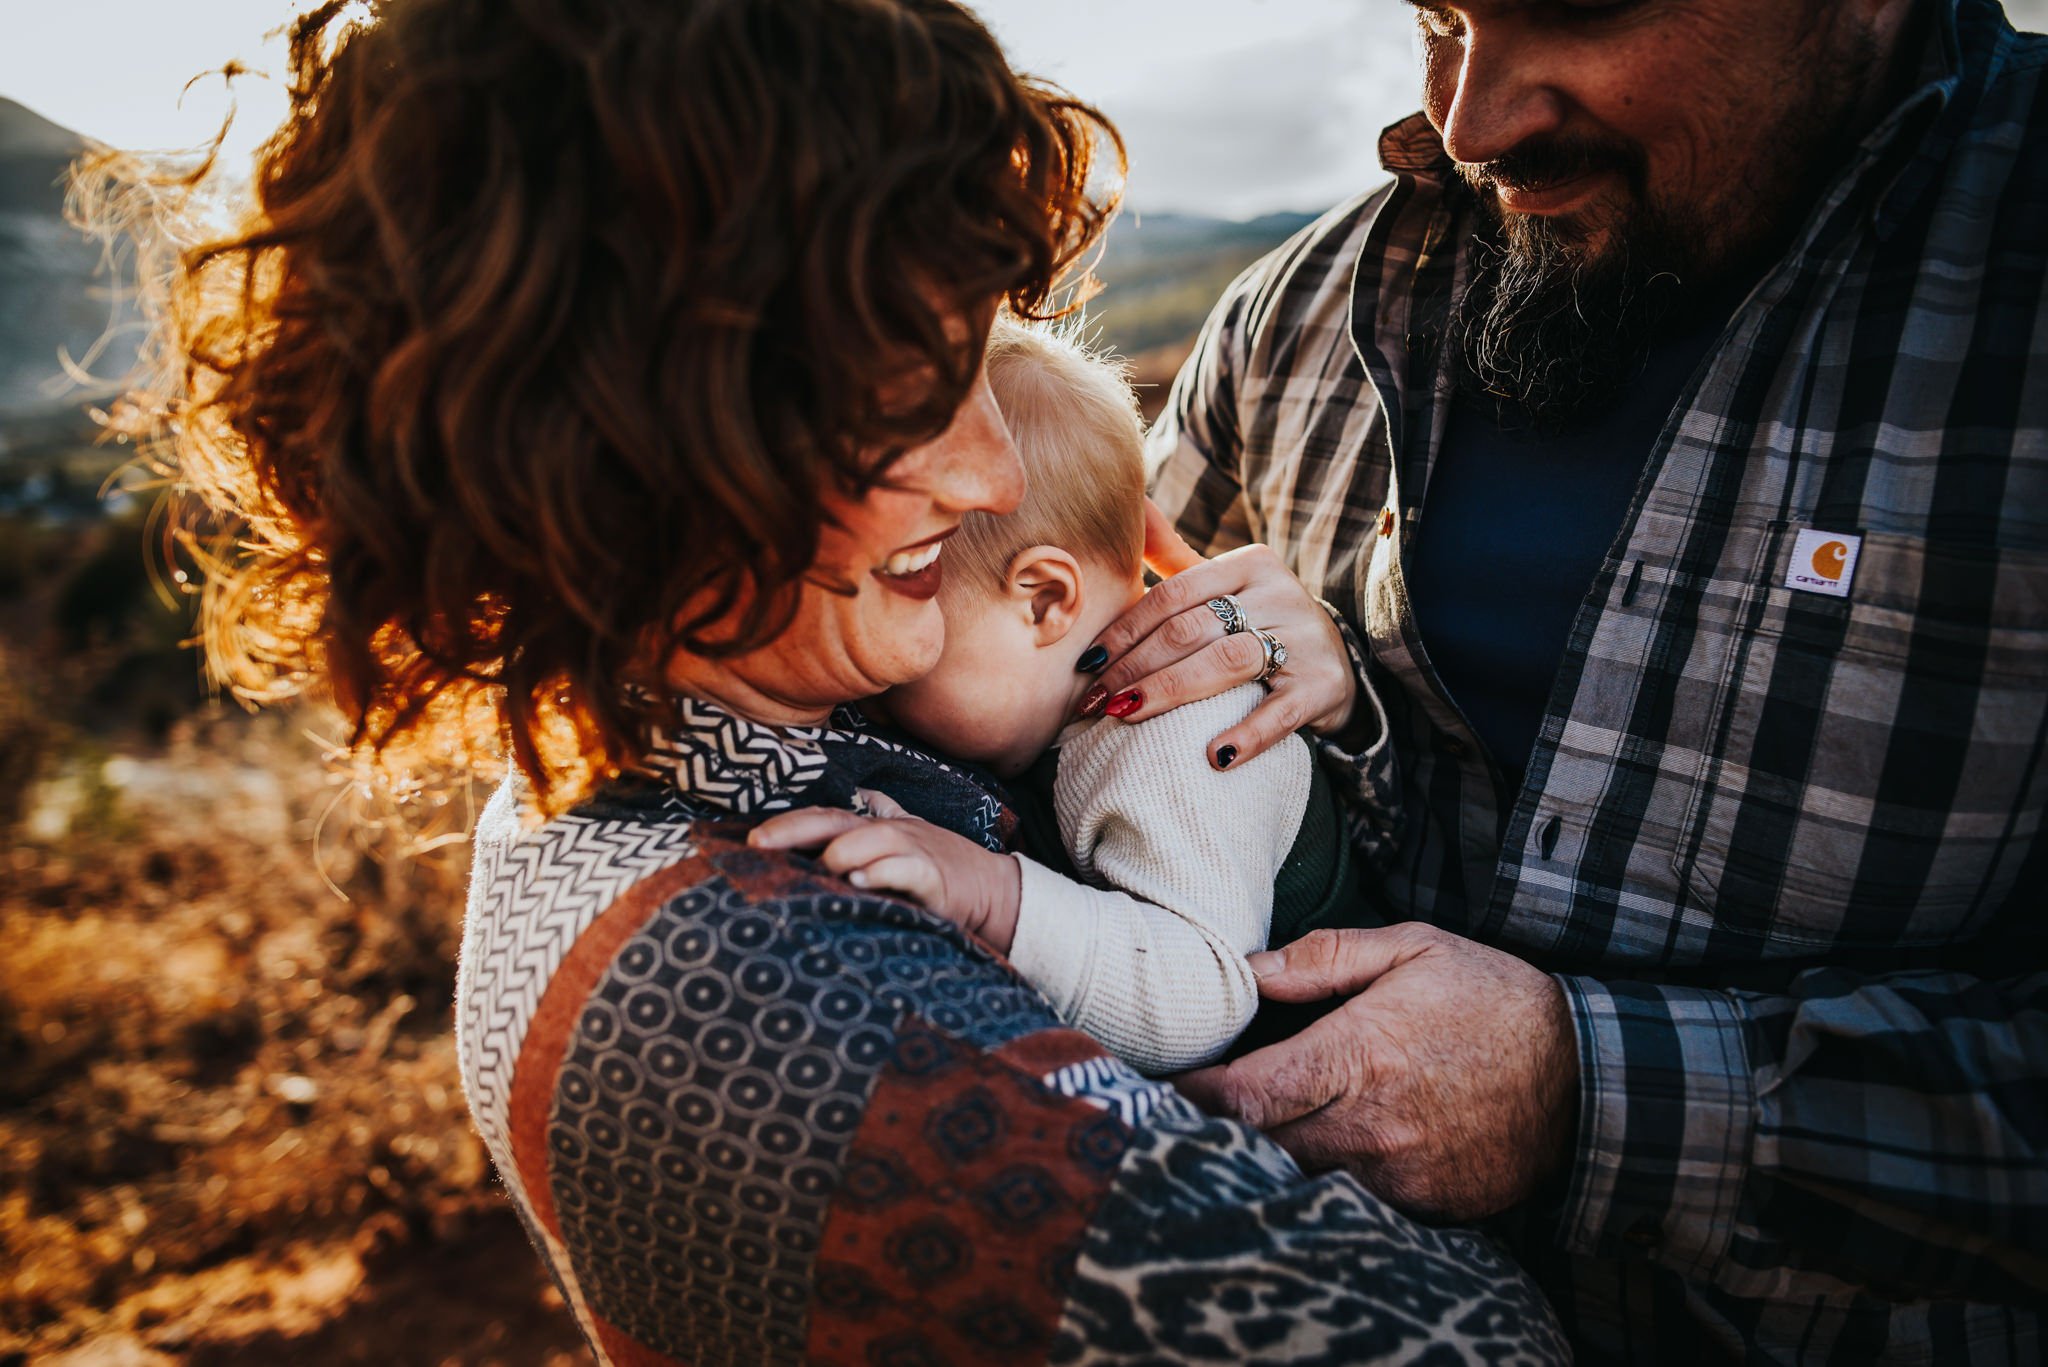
(29, 552)
(26, 739)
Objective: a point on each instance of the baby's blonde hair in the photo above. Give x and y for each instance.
(1076, 423)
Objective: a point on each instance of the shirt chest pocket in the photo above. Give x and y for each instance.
(1872, 772)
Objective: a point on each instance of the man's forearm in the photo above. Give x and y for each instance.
(1890, 1131)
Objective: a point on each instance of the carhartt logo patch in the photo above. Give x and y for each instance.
(1823, 562)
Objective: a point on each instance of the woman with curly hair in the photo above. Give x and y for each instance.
(594, 383)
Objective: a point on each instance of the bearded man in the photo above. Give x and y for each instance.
(1672, 436)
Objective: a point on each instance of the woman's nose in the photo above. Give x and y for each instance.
(981, 470)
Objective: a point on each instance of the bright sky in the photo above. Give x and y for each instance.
(1231, 107)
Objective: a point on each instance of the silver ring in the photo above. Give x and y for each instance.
(1230, 612)
(1276, 654)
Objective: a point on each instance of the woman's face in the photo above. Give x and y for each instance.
(888, 550)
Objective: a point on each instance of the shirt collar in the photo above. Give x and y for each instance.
(718, 764)
(720, 760)
(1413, 147)
(1964, 44)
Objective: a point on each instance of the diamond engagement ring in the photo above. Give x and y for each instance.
(1276, 655)
(1230, 612)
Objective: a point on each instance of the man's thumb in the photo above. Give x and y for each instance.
(1165, 553)
(1334, 963)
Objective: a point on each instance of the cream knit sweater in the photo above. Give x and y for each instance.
(1152, 961)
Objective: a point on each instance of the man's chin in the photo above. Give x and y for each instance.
(1562, 308)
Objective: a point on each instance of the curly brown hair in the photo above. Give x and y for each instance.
(551, 321)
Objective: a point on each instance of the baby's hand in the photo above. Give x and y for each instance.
(893, 851)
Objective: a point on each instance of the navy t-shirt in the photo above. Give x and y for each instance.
(1514, 526)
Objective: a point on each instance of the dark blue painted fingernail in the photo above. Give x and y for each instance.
(1092, 659)
(1225, 754)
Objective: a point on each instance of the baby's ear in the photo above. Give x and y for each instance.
(1045, 584)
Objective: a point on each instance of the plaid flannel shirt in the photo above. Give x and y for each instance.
(1783, 848)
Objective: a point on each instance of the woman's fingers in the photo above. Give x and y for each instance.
(1272, 721)
(1160, 675)
(1223, 664)
(1177, 638)
(1171, 648)
(1189, 589)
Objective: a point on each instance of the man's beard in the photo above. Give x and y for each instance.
(1555, 323)
(1552, 327)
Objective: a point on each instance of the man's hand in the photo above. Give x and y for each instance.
(1448, 1084)
(893, 851)
(1170, 648)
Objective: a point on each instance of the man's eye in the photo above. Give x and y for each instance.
(1439, 21)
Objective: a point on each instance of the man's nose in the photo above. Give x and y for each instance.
(983, 472)
(1503, 97)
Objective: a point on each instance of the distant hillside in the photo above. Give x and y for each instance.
(1163, 272)
(30, 143)
(51, 297)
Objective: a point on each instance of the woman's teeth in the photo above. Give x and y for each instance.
(910, 562)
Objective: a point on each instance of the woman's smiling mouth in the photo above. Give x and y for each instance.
(915, 571)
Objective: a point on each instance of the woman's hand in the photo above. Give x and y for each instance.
(893, 851)
(1171, 648)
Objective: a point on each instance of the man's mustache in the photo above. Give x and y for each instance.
(1538, 165)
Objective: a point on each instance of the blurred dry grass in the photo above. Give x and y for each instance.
(231, 1128)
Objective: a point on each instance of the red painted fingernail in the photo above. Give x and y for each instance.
(1125, 703)
(1092, 701)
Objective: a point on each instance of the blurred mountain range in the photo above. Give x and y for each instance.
(54, 300)
(1163, 273)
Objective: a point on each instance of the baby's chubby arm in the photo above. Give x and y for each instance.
(889, 850)
(1153, 965)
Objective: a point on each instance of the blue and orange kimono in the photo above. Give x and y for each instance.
(751, 1114)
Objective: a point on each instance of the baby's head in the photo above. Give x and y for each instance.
(1025, 594)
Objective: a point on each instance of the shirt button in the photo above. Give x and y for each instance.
(1456, 748)
(1386, 522)
(1644, 1233)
